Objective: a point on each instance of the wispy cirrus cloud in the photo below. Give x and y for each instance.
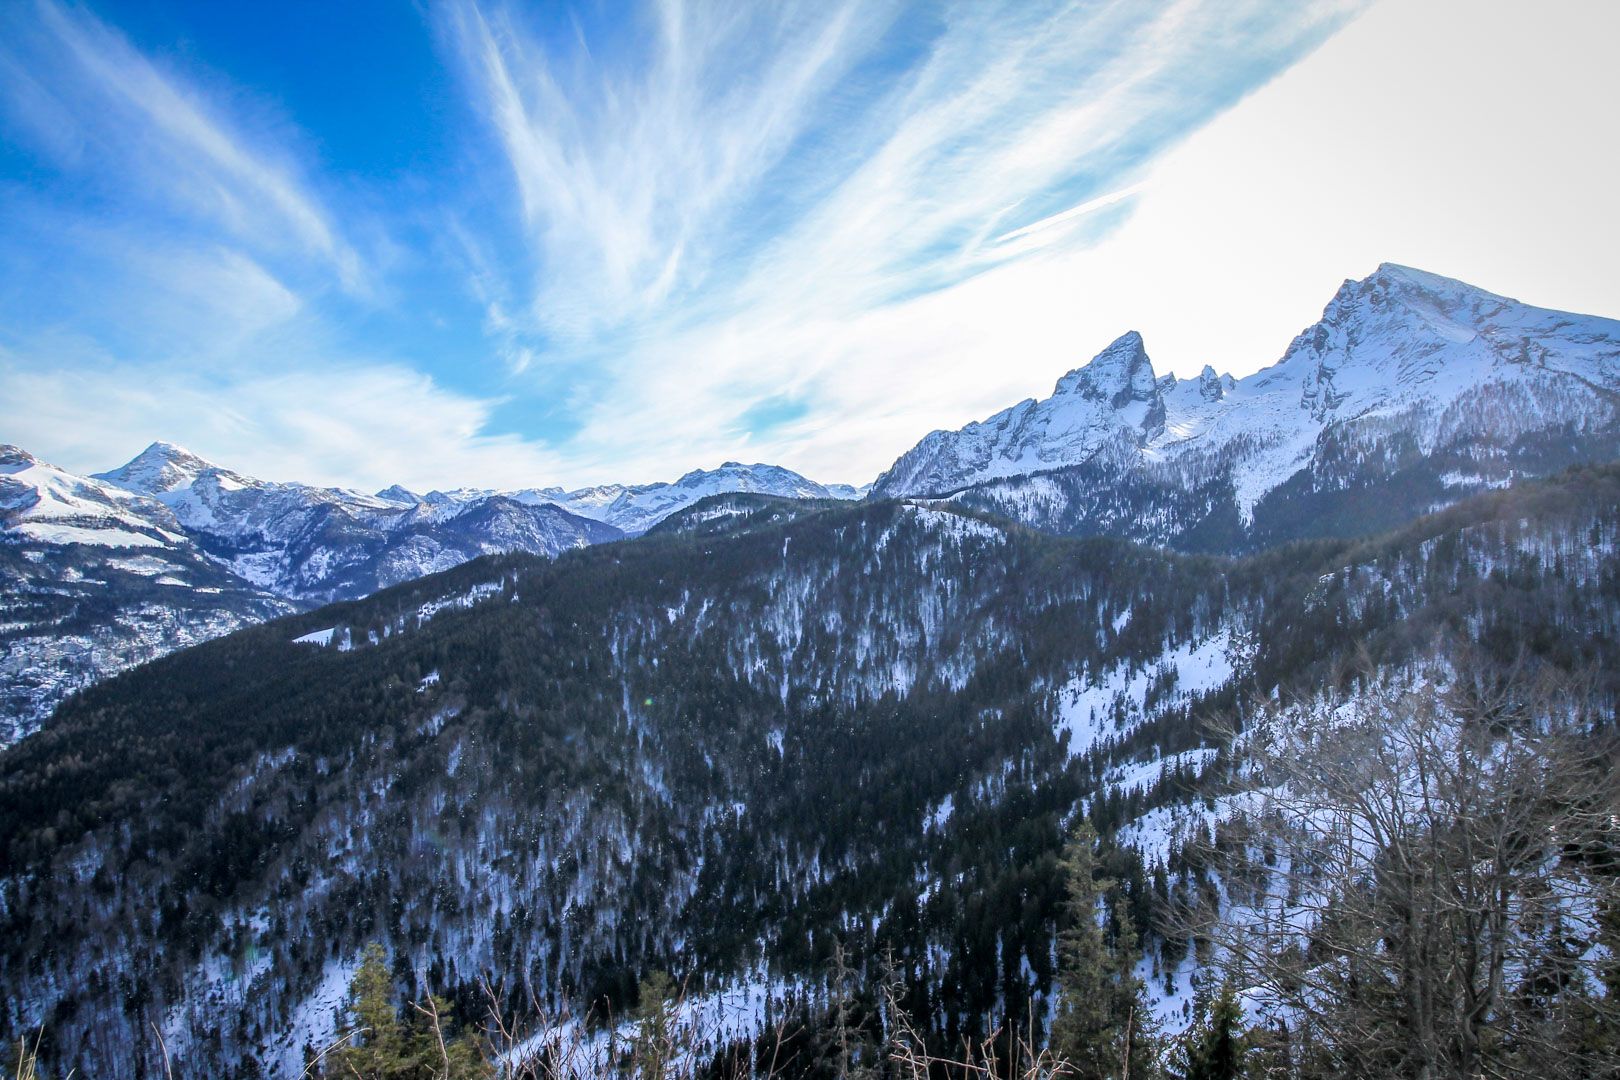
(635, 168)
(523, 243)
(149, 145)
(712, 233)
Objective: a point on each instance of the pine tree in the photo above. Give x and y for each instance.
(1102, 1028)
(381, 1047)
(1138, 1034)
(1216, 1051)
(654, 1048)
(1083, 1017)
(375, 1047)
(437, 1051)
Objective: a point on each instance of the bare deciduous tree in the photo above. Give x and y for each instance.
(1423, 888)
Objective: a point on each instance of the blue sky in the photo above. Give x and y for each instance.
(509, 245)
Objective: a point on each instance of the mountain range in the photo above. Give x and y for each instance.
(769, 729)
(1411, 391)
(781, 724)
(105, 571)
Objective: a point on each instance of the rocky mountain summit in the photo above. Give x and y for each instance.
(1421, 387)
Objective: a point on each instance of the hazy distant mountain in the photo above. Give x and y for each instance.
(316, 543)
(637, 509)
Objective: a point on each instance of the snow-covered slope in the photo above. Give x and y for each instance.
(40, 502)
(1112, 401)
(94, 579)
(1405, 371)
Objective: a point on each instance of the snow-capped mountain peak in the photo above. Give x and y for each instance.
(756, 477)
(41, 502)
(1119, 375)
(1112, 402)
(163, 467)
(1403, 365)
(399, 493)
(1403, 338)
(1213, 387)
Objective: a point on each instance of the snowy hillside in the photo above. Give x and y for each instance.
(95, 579)
(43, 503)
(719, 753)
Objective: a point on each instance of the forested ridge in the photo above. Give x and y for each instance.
(765, 734)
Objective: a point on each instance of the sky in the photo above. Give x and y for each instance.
(491, 244)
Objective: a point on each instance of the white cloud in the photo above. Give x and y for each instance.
(342, 424)
(627, 174)
(1461, 137)
(916, 186)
